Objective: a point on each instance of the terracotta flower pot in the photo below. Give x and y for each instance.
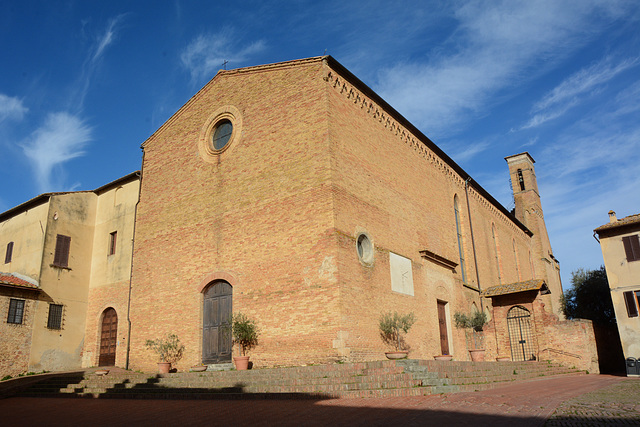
(445, 357)
(242, 362)
(199, 368)
(393, 355)
(164, 367)
(477, 355)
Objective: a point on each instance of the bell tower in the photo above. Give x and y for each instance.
(528, 210)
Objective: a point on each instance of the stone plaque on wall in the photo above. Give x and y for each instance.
(401, 274)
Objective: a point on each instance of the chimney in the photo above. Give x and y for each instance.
(612, 217)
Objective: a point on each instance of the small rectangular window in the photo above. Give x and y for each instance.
(630, 302)
(112, 242)
(16, 311)
(55, 316)
(9, 254)
(632, 247)
(61, 257)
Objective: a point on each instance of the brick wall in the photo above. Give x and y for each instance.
(15, 343)
(569, 342)
(113, 295)
(262, 215)
(277, 214)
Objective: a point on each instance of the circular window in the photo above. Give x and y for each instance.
(221, 134)
(364, 248)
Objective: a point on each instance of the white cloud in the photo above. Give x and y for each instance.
(103, 41)
(590, 168)
(463, 153)
(581, 84)
(11, 108)
(496, 45)
(107, 37)
(61, 138)
(206, 54)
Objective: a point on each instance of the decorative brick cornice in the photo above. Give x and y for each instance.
(378, 113)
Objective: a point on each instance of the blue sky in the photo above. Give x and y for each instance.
(83, 84)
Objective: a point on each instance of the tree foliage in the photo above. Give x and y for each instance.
(245, 332)
(169, 348)
(475, 321)
(589, 297)
(393, 326)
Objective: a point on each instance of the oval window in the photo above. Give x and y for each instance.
(364, 248)
(222, 134)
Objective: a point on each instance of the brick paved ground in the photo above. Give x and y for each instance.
(618, 404)
(526, 403)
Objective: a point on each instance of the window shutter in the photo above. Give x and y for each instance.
(632, 247)
(9, 254)
(630, 302)
(61, 257)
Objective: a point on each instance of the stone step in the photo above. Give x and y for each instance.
(364, 379)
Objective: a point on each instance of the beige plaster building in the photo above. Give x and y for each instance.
(61, 250)
(620, 244)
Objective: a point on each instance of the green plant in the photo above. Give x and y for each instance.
(168, 348)
(6, 377)
(476, 321)
(245, 332)
(393, 326)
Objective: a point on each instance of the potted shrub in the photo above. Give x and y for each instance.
(392, 328)
(169, 350)
(474, 325)
(245, 334)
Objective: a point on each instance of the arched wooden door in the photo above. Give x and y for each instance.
(216, 327)
(520, 336)
(108, 338)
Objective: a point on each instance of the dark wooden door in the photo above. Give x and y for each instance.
(108, 338)
(442, 321)
(216, 328)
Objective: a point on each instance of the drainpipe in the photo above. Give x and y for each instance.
(473, 243)
(135, 215)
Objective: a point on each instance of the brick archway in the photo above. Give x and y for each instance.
(215, 276)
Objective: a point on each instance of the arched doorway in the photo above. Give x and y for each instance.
(108, 338)
(520, 336)
(216, 330)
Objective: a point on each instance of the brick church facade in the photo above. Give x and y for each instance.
(294, 194)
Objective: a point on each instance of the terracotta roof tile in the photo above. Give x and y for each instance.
(512, 288)
(9, 279)
(627, 220)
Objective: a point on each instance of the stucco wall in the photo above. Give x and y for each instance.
(623, 276)
(71, 214)
(109, 284)
(27, 232)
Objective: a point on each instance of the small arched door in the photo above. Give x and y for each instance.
(520, 336)
(108, 338)
(216, 327)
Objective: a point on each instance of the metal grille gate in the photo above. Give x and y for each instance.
(520, 337)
